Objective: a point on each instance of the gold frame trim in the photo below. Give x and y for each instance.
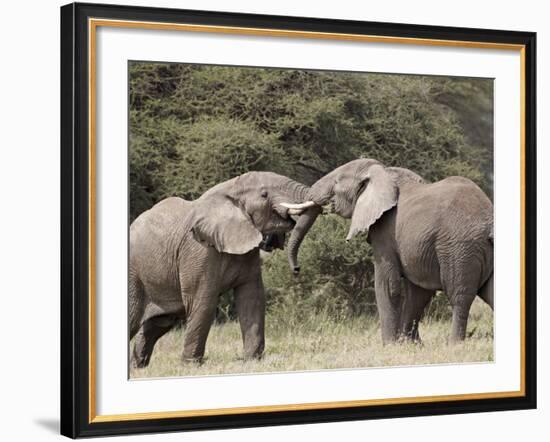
(93, 24)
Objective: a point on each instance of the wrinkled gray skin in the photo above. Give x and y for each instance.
(425, 237)
(184, 254)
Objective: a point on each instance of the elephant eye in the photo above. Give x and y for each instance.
(264, 194)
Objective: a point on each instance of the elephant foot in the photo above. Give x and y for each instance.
(453, 340)
(390, 339)
(410, 336)
(139, 362)
(254, 351)
(254, 357)
(193, 360)
(408, 339)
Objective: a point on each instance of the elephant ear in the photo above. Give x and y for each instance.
(220, 223)
(380, 195)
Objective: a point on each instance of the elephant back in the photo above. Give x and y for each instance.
(152, 232)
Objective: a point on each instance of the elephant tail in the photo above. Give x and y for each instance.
(486, 292)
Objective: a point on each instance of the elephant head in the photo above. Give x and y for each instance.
(249, 211)
(362, 190)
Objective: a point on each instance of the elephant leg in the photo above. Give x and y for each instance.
(460, 280)
(461, 304)
(486, 292)
(415, 300)
(136, 303)
(387, 287)
(199, 320)
(250, 303)
(148, 335)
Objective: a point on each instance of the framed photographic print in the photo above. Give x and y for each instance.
(274, 220)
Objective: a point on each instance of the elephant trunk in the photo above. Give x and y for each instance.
(320, 193)
(305, 208)
(300, 230)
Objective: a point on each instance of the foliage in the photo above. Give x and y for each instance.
(192, 126)
(336, 277)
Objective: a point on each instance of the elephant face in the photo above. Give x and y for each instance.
(361, 190)
(263, 205)
(346, 192)
(241, 214)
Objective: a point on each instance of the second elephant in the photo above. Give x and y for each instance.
(425, 237)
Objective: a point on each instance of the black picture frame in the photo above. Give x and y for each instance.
(75, 220)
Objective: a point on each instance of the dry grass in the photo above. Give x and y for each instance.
(299, 344)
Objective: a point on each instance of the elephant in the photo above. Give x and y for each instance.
(425, 237)
(184, 254)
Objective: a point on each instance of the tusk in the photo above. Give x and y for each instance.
(301, 206)
(295, 211)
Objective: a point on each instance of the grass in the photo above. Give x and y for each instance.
(316, 343)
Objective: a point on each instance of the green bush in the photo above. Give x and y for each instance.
(336, 277)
